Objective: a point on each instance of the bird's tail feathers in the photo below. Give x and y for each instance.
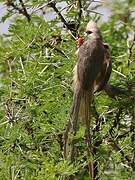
(87, 99)
(74, 115)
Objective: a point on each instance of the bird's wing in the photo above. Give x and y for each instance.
(106, 69)
(90, 60)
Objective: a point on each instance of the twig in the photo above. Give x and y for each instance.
(39, 8)
(9, 111)
(116, 121)
(87, 7)
(125, 134)
(119, 73)
(25, 13)
(79, 14)
(98, 142)
(117, 148)
(67, 7)
(23, 70)
(52, 4)
(22, 11)
(132, 130)
(95, 12)
(113, 91)
(55, 48)
(130, 50)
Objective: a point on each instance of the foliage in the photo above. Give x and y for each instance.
(37, 58)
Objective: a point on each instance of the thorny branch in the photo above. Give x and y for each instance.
(22, 10)
(69, 25)
(53, 5)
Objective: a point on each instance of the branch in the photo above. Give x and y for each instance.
(132, 129)
(25, 13)
(116, 121)
(55, 48)
(113, 91)
(117, 148)
(22, 11)
(119, 73)
(9, 111)
(79, 14)
(69, 26)
(97, 141)
(53, 5)
(90, 10)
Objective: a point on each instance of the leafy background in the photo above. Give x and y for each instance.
(36, 61)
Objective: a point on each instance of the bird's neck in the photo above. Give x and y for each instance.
(96, 36)
(95, 39)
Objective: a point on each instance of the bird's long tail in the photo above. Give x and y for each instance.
(81, 102)
(74, 116)
(72, 123)
(87, 99)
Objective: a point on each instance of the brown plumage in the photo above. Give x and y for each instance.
(91, 74)
(106, 70)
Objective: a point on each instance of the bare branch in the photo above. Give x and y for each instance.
(52, 4)
(79, 14)
(25, 13)
(22, 11)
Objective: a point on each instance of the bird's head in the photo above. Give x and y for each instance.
(93, 31)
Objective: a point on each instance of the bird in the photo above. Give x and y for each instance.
(91, 74)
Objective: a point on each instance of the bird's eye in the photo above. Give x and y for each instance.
(88, 32)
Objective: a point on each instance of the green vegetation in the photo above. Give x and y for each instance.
(36, 62)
